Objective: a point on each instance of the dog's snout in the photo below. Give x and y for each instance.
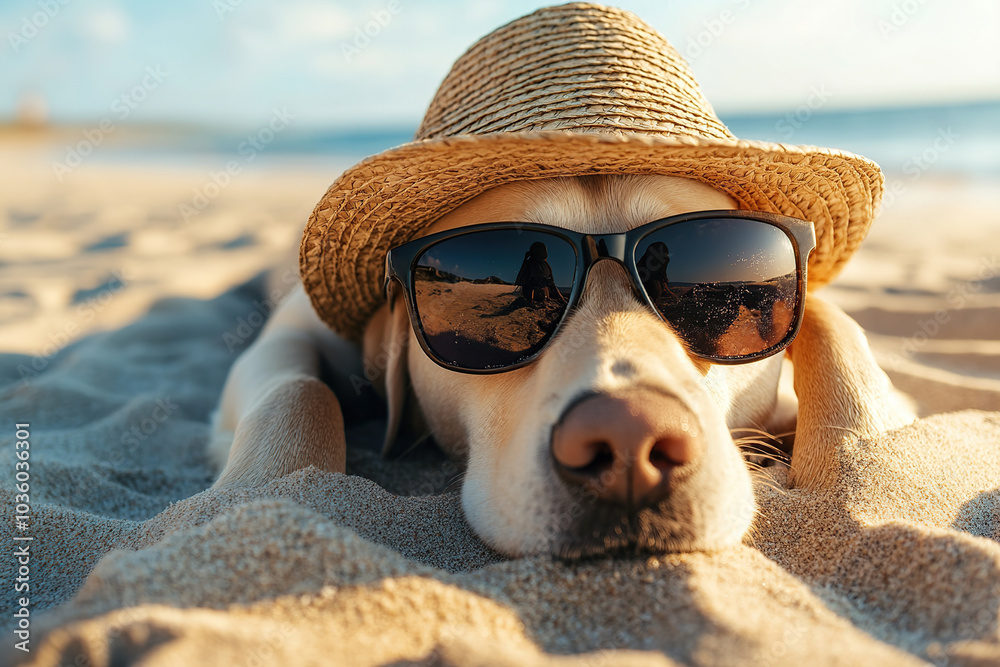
(626, 448)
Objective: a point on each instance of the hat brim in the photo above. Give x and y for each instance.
(392, 197)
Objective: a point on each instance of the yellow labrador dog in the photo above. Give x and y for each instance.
(586, 331)
(615, 378)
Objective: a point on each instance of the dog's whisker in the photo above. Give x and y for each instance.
(750, 539)
(748, 439)
(417, 443)
(754, 453)
(744, 443)
(753, 530)
(764, 478)
(750, 429)
(761, 466)
(752, 443)
(772, 440)
(455, 484)
(753, 435)
(761, 474)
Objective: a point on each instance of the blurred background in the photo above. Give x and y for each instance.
(175, 149)
(870, 75)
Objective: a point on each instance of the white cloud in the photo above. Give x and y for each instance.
(106, 25)
(313, 22)
(771, 56)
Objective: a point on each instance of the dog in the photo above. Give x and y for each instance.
(631, 382)
(611, 430)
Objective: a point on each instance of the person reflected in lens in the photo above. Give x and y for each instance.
(535, 277)
(652, 268)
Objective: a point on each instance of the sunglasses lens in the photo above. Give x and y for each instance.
(728, 287)
(492, 298)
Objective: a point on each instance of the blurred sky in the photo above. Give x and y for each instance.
(230, 62)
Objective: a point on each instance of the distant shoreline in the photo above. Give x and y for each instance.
(961, 139)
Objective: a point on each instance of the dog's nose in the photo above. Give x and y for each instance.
(626, 448)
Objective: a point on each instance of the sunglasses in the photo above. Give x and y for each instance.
(489, 298)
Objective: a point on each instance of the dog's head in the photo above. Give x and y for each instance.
(615, 439)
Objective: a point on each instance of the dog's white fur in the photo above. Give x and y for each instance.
(278, 416)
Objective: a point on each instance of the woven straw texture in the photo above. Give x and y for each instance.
(566, 91)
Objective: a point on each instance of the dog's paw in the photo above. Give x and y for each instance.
(296, 423)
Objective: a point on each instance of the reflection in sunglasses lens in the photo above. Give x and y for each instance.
(492, 298)
(727, 286)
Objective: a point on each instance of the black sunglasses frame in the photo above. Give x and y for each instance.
(400, 263)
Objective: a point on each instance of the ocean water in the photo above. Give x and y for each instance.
(961, 139)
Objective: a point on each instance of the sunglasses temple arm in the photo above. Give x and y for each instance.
(387, 287)
(390, 292)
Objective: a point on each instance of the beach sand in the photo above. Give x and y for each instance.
(119, 319)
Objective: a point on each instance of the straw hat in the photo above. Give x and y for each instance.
(566, 91)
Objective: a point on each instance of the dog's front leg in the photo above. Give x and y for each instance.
(276, 415)
(842, 393)
(296, 422)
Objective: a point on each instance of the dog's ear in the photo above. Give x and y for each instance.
(843, 395)
(385, 348)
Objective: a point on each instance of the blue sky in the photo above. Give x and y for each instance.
(231, 62)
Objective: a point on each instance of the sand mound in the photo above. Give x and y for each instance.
(132, 560)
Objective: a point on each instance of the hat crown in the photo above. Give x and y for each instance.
(577, 67)
(502, 114)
